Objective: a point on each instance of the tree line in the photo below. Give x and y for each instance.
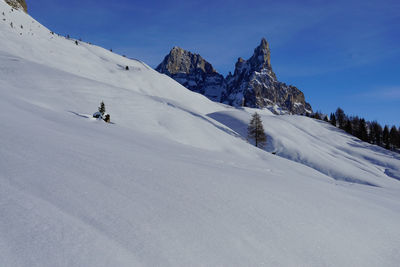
(367, 131)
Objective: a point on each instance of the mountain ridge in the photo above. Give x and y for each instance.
(253, 84)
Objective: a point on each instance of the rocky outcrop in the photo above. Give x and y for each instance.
(18, 4)
(193, 72)
(253, 83)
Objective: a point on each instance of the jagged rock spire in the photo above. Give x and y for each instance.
(260, 61)
(262, 56)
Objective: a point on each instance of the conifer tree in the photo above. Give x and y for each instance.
(393, 135)
(385, 137)
(256, 132)
(375, 133)
(333, 119)
(355, 123)
(362, 130)
(340, 117)
(102, 108)
(348, 127)
(317, 116)
(398, 138)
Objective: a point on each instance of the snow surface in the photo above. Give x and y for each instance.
(173, 182)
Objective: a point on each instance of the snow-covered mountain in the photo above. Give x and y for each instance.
(173, 181)
(253, 84)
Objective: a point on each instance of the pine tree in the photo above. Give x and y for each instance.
(385, 137)
(341, 117)
(362, 130)
(355, 123)
(398, 138)
(102, 108)
(333, 119)
(317, 116)
(375, 132)
(256, 132)
(393, 136)
(348, 127)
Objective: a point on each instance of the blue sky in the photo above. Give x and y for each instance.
(339, 53)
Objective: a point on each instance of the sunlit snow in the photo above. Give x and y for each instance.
(173, 180)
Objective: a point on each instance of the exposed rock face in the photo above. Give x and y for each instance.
(193, 72)
(18, 4)
(253, 84)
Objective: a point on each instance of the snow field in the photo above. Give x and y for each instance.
(172, 182)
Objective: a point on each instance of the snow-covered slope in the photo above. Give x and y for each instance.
(172, 182)
(321, 146)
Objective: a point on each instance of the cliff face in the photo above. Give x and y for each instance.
(193, 72)
(18, 4)
(253, 84)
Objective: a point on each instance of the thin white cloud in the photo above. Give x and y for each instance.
(389, 94)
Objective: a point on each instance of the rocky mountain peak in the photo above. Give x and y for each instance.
(260, 61)
(18, 4)
(253, 84)
(181, 61)
(240, 60)
(193, 72)
(261, 58)
(264, 43)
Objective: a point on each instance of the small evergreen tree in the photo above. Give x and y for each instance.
(348, 127)
(385, 137)
(102, 108)
(340, 117)
(333, 119)
(362, 130)
(317, 116)
(375, 132)
(393, 135)
(398, 138)
(355, 123)
(256, 132)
